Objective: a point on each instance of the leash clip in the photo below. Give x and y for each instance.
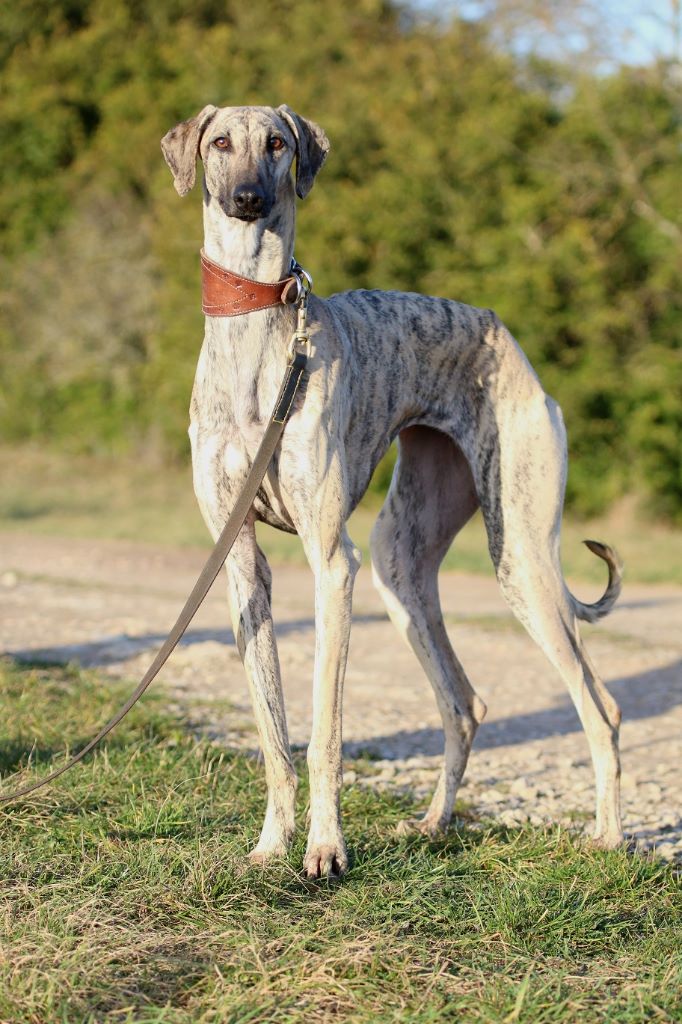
(300, 341)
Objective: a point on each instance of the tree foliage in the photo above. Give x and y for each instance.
(456, 169)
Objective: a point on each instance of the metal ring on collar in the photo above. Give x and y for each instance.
(306, 279)
(302, 274)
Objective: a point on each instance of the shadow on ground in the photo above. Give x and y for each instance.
(121, 646)
(640, 696)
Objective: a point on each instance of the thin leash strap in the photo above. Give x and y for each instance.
(216, 559)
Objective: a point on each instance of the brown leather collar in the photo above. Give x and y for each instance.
(226, 294)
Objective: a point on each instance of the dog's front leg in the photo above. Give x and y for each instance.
(249, 590)
(334, 566)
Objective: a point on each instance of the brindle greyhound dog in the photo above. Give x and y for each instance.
(474, 427)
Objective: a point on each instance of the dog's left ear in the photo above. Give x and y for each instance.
(180, 147)
(312, 146)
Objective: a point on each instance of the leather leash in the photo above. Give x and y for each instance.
(299, 350)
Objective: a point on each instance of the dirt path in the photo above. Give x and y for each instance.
(108, 604)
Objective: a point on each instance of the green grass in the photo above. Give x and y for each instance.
(79, 496)
(124, 897)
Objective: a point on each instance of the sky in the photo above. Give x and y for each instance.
(632, 31)
(649, 28)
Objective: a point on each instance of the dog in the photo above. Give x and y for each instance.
(473, 428)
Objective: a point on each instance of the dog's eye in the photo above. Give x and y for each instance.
(275, 143)
(221, 142)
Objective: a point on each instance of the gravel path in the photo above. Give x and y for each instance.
(108, 604)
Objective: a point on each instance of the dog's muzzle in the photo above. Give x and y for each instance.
(249, 202)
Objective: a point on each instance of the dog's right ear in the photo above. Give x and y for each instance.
(180, 147)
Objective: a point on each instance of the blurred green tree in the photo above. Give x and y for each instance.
(548, 192)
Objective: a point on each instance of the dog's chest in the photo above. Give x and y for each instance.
(231, 403)
(222, 454)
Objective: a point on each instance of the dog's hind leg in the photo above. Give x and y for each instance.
(550, 620)
(431, 497)
(522, 509)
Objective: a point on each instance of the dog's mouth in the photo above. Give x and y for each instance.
(248, 218)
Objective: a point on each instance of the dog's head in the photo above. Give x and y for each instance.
(248, 153)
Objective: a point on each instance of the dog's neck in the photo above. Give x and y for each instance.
(260, 249)
(241, 350)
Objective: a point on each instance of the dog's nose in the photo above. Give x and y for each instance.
(249, 199)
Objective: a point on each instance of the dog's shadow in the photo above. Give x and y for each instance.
(640, 696)
(121, 646)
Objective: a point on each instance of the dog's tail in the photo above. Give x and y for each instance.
(602, 607)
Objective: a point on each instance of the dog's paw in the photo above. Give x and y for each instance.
(261, 858)
(420, 826)
(326, 860)
(264, 853)
(607, 840)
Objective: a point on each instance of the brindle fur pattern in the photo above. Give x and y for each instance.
(474, 427)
